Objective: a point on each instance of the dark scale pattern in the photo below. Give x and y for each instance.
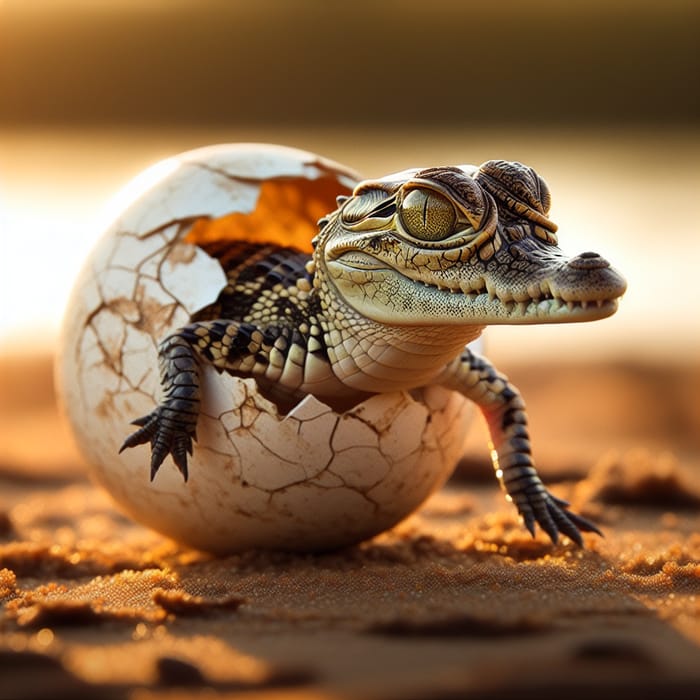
(265, 301)
(262, 294)
(251, 271)
(216, 332)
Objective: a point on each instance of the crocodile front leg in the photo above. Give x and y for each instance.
(504, 411)
(171, 426)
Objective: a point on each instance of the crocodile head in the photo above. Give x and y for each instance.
(456, 245)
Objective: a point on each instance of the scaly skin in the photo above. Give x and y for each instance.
(404, 274)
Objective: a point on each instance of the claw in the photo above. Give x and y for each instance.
(144, 420)
(529, 521)
(551, 514)
(145, 434)
(565, 525)
(182, 445)
(548, 524)
(582, 523)
(560, 501)
(159, 451)
(164, 438)
(568, 523)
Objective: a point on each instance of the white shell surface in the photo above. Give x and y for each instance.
(310, 480)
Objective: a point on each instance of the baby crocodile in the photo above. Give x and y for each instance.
(404, 273)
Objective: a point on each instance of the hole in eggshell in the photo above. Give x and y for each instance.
(285, 403)
(286, 214)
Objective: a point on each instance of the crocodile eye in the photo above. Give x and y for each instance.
(427, 215)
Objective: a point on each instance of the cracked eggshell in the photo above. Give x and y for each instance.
(310, 480)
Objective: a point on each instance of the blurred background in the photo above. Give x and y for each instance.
(601, 98)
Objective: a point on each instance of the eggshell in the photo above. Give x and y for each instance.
(312, 479)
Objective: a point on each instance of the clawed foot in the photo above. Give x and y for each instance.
(554, 518)
(168, 434)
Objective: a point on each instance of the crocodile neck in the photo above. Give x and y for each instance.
(372, 356)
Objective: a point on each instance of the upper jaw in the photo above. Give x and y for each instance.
(555, 296)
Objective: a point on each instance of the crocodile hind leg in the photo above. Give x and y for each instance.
(504, 411)
(171, 426)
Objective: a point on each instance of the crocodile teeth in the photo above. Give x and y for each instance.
(466, 288)
(541, 298)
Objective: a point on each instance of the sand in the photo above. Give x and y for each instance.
(457, 601)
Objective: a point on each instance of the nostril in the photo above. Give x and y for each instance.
(588, 261)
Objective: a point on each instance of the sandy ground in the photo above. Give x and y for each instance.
(458, 601)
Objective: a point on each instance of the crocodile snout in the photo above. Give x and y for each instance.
(588, 277)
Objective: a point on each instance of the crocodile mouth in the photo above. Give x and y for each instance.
(548, 308)
(541, 302)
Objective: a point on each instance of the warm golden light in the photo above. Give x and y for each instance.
(601, 99)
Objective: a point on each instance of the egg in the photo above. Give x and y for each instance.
(305, 479)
